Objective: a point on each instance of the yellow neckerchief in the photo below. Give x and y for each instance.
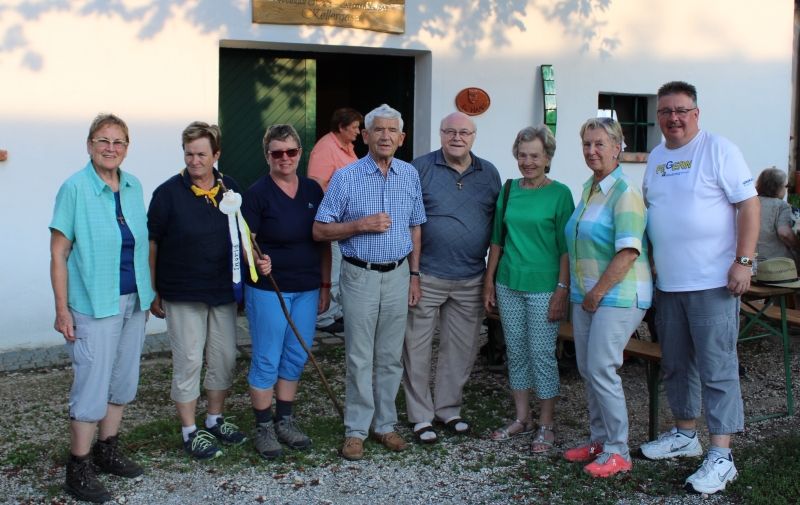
(211, 193)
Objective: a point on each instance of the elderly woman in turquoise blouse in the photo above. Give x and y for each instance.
(611, 289)
(101, 281)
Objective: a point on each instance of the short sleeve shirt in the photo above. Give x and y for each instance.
(193, 262)
(85, 212)
(606, 221)
(328, 156)
(690, 195)
(283, 232)
(459, 210)
(360, 190)
(535, 241)
(774, 214)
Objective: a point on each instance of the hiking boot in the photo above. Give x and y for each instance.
(672, 444)
(266, 442)
(584, 452)
(227, 433)
(82, 482)
(201, 445)
(108, 458)
(714, 474)
(288, 432)
(607, 464)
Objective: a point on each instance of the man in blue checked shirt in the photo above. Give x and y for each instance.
(374, 209)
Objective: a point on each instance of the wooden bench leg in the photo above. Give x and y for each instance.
(653, 370)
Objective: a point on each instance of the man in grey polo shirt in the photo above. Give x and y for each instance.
(459, 191)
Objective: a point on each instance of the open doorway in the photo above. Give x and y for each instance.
(303, 88)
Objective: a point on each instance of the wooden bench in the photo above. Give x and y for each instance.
(773, 312)
(648, 351)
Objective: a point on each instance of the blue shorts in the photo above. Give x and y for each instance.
(276, 350)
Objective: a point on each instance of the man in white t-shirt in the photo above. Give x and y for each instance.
(703, 222)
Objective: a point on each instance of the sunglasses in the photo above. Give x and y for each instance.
(276, 155)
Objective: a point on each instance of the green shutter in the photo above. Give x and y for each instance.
(254, 93)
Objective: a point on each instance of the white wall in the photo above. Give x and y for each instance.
(156, 65)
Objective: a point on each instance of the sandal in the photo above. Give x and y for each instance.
(451, 426)
(542, 441)
(426, 429)
(504, 433)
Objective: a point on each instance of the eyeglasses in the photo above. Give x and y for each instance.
(681, 113)
(276, 155)
(451, 133)
(103, 143)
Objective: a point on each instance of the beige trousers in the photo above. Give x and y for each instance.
(192, 326)
(460, 307)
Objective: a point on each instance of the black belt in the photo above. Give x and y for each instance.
(378, 267)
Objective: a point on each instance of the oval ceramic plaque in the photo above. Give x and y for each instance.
(472, 101)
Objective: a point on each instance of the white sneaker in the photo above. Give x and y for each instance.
(713, 475)
(671, 445)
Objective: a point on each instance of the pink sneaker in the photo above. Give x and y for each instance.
(607, 465)
(584, 452)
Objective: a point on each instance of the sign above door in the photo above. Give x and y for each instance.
(377, 15)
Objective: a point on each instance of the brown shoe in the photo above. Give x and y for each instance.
(391, 440)
(353, 448)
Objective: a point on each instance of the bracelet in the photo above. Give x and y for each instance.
(562, 285)
(325, 285)
(412, 272)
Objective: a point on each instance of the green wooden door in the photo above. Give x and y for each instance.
(255, 92)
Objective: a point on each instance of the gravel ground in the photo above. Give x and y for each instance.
(470, 469)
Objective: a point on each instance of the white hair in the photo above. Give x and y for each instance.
(385, 112)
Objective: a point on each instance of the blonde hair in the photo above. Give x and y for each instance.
(104, 119)
(611, 126)
(197, 130)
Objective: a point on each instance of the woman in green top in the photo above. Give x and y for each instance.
(531, 271)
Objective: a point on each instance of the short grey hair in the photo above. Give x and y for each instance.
(385, 112)
(531, 133)
(611, 126)
(280, 132)
(770, 182)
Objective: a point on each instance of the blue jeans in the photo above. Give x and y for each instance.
(276, 350)
(697, 331)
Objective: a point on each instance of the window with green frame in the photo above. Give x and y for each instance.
(636, 114)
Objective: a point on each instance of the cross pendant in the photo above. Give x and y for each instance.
(460, 185)
(121, 220)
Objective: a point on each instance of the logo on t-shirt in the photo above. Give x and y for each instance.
(676, 167)
(748, 182)
(310, 205)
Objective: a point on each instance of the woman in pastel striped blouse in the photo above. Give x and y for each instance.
(611, 287)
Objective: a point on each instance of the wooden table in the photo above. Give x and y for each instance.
(773, 326)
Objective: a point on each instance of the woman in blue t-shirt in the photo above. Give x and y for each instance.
(280, 209)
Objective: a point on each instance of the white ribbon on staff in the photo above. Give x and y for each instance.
(230, 205)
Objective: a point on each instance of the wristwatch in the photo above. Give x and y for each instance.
(744, 261)
(414, 273)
